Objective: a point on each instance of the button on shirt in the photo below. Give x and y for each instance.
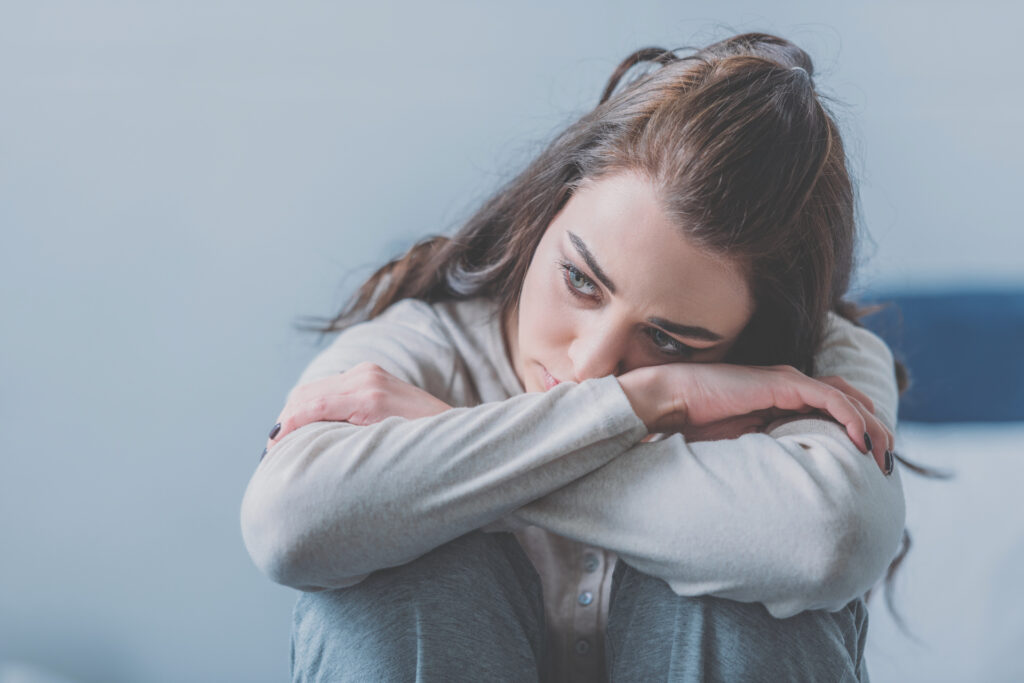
(577, 581)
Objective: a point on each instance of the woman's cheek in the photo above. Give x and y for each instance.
(556, 318)
(565, 323)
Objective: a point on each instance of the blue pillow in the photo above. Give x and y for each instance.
(964, 351)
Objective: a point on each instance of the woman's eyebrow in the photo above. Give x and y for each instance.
(581, 247)
(688, 331)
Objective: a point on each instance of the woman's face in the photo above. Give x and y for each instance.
(614, 286)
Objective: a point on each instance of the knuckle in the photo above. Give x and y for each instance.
(319, 406)
(782, 373)
(840, 383)
(365, 367)
(839, 395)
(376, 396)
(379, 379)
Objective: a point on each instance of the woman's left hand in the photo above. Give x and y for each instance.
(757, 421)
(363, 395)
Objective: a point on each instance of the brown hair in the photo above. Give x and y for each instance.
(743, 154)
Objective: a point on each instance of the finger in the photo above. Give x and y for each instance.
(799, 390)
(879, 438)
(323, 408)
(847, 388)
(890, 441)
(882, 439)
(881, 450)
(855, 419)
(863, 428)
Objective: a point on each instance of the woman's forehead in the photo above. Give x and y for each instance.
(618, 225)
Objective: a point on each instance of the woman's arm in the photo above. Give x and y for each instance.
(332, 502)
(797, 518)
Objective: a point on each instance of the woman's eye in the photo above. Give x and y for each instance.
(667, 344)
(579, 284)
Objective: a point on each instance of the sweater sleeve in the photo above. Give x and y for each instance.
(332, 502)
(796, 518)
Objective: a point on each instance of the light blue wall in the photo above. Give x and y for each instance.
(180, 180)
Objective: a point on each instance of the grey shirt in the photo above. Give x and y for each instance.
(795, 518)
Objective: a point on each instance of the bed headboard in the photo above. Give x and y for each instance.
(964, 351)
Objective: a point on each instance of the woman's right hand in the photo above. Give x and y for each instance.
(691, 397)
(363, 395)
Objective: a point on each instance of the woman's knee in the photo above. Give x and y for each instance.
(476, 565)
(654, 632)
(407, 618)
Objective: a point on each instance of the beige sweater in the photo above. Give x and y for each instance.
(796, 518)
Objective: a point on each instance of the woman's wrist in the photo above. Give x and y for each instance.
(645, 390)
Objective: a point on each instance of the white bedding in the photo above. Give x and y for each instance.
(960, 587)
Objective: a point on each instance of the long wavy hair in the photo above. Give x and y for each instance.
(744, 156)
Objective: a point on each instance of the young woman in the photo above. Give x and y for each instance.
(619, 426)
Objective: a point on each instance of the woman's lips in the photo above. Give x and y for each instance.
(549, 381)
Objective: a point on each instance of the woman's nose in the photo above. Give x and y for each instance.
(597, 352)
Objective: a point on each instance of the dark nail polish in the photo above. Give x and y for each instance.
(888, 463)
(275, 430)
(262, 454)
(867, 441)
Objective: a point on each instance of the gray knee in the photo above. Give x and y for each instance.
(476, 567)
(416, 619)
(652, 632)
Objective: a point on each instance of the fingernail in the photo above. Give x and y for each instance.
(275, 430)
(262, 454)
(888, 463)
(867, 440)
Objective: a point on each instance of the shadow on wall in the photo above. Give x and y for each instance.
(23, 672)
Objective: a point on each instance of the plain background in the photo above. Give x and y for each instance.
(180, 181)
